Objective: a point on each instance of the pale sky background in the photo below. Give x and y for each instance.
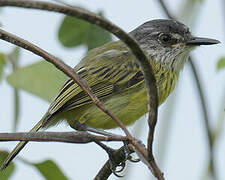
(186, 153)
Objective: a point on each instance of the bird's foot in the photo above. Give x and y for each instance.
(114, 160)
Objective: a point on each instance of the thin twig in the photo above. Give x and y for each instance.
(66, 137)
(71, 73)
(16, 97)
(62, 66)
(80, 13)
(209, 133)
(165, 9)
(97, 20)
(131, 43)
(208, 130)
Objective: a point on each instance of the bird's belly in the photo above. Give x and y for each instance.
(128, 106)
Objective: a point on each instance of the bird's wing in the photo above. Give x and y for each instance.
(103, 76)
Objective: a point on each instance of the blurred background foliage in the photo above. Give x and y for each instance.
(44, 81)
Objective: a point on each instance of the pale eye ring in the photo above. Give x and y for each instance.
(165, 38)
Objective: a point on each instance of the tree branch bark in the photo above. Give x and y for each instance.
(131, 43)
(66, 137)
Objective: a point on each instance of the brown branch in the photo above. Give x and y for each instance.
(97, 20)
(67, 137)
(131, 43)
(50, 58)
(209, 132)
(16, 97)
(61, 66)
(198, 82)
(67, 70)
(165, 9)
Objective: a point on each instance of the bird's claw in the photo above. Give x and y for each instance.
(131, 159)
(113, 167)
(112, 160)
(128, 152)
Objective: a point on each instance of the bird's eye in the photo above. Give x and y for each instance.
(165, 38)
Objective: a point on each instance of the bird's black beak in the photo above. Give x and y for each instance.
(197, 41)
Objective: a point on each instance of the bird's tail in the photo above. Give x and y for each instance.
(21, 144)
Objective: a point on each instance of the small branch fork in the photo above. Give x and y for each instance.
(146, 155)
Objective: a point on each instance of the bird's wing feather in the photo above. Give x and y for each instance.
(103, 78)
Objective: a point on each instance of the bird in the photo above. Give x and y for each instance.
(115, 76)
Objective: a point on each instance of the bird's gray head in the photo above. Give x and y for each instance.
(168, 42)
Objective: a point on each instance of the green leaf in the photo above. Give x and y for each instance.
(72, 32)
(96, 37)
(2, 63)
(75, 32)
(221, 63)
(6, 173)
(50, 170)
(41, 79)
